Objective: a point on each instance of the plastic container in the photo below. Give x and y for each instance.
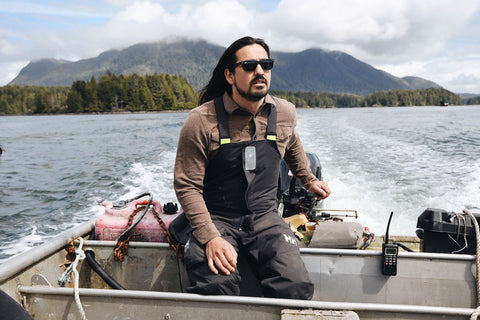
(445, 232)
(113, 222)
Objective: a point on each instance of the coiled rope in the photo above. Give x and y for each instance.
(476, 313)
(66, 277)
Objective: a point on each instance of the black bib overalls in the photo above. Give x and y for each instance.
(242, 205)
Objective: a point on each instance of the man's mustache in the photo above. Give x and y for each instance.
(258, 78)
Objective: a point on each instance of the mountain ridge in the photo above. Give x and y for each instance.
(312, 69)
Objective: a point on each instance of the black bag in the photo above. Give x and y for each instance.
(180, 229)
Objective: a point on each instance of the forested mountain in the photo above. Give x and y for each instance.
(313, 70)
(159, 92)
(110, 93)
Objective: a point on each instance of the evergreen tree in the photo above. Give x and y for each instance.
(74, 102)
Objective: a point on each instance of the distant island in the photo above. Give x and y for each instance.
(164, 92)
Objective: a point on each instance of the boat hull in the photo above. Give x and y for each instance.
(427, 285)
(55, 303)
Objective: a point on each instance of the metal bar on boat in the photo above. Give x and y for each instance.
(413, 255)
(133, 244)
(285, 303)
(314, 251)
(18, 263)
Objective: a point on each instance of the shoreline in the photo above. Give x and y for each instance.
(188, 110)
(92, 113)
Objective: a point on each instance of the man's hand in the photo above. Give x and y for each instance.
(222, 254)
(321, 189)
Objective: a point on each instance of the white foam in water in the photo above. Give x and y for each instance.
(373, 208)
(154, 178)
(466, 194)
(376, 167)
(23, 243)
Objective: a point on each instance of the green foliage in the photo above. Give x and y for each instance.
(391, 98)
(304, 99)
(154, 92)
(473, 100)
(111, 93)
(32, 99)
(418, 97)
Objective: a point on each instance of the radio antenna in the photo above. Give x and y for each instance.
(388, 227)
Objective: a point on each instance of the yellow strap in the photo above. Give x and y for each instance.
(224, 140)
(271, 137)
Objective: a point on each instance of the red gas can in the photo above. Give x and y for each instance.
(113, 222)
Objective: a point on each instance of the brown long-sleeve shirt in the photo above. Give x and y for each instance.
(199, 141)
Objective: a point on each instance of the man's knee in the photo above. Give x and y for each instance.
(203, 281)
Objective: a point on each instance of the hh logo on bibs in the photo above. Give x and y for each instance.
(290, 239)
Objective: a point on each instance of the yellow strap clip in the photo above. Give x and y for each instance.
(271, 137)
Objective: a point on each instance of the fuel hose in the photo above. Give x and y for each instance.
(90, 257)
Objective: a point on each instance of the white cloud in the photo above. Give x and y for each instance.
(148, 21)
(403, 69)
(464, 83)
(7, 48)
(428, 38)
(140, 13)
(374, 28)
(10, 70)
(457, 75)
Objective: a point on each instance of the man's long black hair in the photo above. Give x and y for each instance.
(218, 83)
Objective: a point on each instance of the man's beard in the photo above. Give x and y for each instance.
(251, 95)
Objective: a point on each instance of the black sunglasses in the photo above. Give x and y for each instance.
(250, 65)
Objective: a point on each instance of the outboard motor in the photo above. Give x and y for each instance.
(291, 195)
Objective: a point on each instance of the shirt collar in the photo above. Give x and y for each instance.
(231, 106)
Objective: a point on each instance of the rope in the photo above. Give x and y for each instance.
(465, 241)
(80, 256)
(66, 277)
(476, 313)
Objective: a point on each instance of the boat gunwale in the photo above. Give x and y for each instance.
(256, 301)
(17, 264)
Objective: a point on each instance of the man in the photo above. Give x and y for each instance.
(226, 176)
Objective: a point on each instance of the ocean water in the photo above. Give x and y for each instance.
(56, 170)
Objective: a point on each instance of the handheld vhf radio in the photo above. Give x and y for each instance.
(389, 254)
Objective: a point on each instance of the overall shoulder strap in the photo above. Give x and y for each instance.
(222, 120)
(271, 133)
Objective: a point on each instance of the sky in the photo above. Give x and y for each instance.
(438, 40)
